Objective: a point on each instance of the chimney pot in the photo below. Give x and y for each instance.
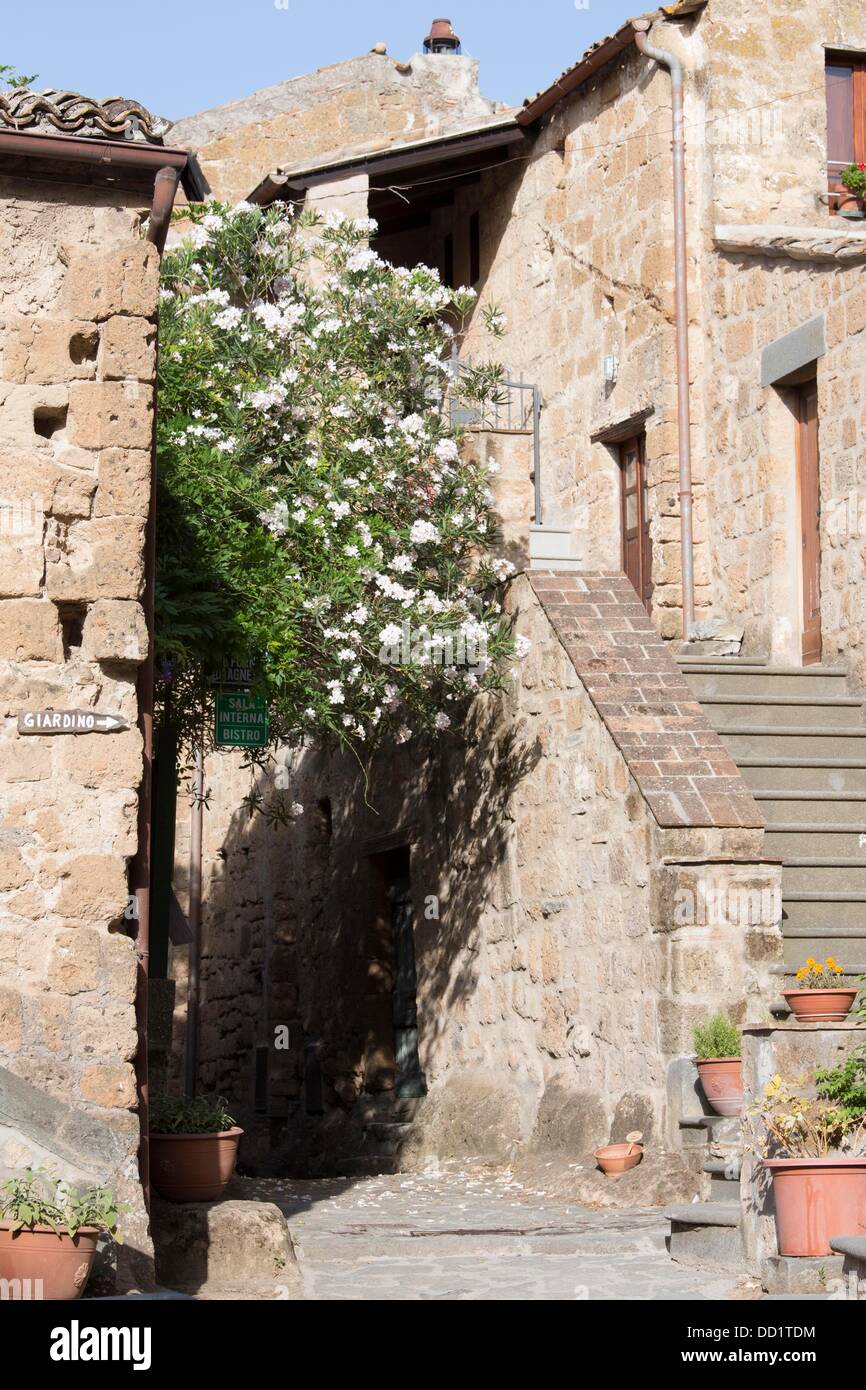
(442, 38)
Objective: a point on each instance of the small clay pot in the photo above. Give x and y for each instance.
(193, 1167)
(820, 1005)
(614, 1159)
(722, 1083)
(39, 1264)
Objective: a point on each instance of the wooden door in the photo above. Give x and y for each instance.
(636, 544)
(810, 517)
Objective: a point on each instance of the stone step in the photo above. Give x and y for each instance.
(388, 1132)
(695, 659)
(813, 808)
(794, 1298)
(823, 875)
(804, 774)
(805, 939)
(205, 1243)
(724, 1177)
(783, 711)
(716, 1129)
(822, 915)
(723, 679)
(368, 1166)
(706, 1233)
(388, 1108)
(798, 1276)
(789, 841)
(794, 741)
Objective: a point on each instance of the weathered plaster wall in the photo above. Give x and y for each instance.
(78, 295)
(367, 103)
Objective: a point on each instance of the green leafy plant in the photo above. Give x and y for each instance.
(41, 1199)
(845, 1085)
(13, 78)
(318, 516)
(719, 1036)
(853, 177)
(182, 1115)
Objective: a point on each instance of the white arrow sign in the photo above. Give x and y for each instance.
(69, 721)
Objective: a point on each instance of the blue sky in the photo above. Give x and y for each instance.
(181, 56)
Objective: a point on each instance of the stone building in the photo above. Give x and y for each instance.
(78, 301)
(500, 948)
(552, 980)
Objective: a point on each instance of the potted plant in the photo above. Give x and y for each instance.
(819, 996)
(193, 1148)
(853, 177)
(49, 1233)
(717, 1058)
(814, 1146)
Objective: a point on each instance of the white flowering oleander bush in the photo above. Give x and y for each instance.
(313, 496)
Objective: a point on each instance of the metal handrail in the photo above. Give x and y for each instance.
(518, 413)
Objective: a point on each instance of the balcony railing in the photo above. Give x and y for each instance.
(517, 410)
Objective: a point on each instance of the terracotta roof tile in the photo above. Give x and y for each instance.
(54, 112)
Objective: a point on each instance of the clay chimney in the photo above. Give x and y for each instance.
(442, 38)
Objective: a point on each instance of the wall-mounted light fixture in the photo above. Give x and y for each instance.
(610, 366)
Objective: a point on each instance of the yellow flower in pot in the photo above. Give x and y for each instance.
(820, 996)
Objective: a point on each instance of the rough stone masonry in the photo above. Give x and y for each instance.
(78, 297)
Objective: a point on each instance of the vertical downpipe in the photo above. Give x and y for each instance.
(193, 986)
(164, 189)
(681, 301)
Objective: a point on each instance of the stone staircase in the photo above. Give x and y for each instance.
(708, 1233)
(387, 1125)
(799, 739)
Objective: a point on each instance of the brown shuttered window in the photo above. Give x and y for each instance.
(845, 79)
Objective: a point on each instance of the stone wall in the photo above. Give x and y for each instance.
(557, 980)
(776, 260)
(78, 295)
(577, 250)
(367, 103)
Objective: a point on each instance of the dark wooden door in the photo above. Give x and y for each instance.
(636, 545)
(410, 1078)
(810, 518)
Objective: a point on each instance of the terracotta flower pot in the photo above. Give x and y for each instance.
(820, 1005)
(614, 1159)
(817, 1198)
(722, 1082)
(54, 1266)
(193, 1167)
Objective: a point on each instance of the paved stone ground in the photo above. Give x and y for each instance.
(475, 1235)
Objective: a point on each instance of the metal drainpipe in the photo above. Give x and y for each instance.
(194, 918)
(164, 189)
(165, 186)
(678, 146)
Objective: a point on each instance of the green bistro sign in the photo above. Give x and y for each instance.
(241, 720)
